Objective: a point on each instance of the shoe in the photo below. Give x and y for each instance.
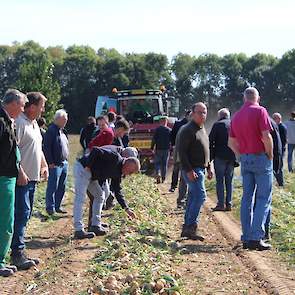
(12, 267)
(59, 210)
(218, 208)
(258, 245)
(81, 234)
(163, 179)
(158, 179)
(190, 232)
(6, 272)
(20, 260)
(228, 208)
(98, 230)
(172, 190)
(49, 212)
(104, 225)
(245, 245)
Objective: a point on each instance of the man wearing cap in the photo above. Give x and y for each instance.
(161, 145)
(12, 105)
(33, 166)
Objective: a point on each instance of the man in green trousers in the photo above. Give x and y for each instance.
(12, 105)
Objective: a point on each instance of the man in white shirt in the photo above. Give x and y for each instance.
(33, 166)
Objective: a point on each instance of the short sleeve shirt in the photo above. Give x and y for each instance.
(29, 141)
(247, 126)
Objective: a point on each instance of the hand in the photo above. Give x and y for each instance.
(130, 213)
(270, 156)
(51, 166)
(192, 175)
(209, 174)
(44, 172)
(22, 178)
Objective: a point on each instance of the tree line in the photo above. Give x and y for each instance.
(75, 76)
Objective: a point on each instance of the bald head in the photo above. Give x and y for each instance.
(199, 113)
(251, 94)
(131, 165)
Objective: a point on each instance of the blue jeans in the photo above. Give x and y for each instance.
(279, 175)
(257, 173)
(196, 196)
(224, 171)
(291, 148)
(161, 162)
(23, 208)
(56, 186)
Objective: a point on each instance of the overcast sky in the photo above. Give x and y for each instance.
(169, 27)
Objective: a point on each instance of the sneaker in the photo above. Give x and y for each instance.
(258, 245)
(20, 260)
(59, 210)
(98, 230)
(81, 234)
(6, 272)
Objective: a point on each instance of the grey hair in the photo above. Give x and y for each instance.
(223, 113)
(130, 152)
(12, 95)
(277, 115)
(251, 93)
(60, 113)
(133, 161)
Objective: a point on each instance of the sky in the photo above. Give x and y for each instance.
(169, 27)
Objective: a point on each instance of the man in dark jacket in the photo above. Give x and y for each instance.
(88, 132)
(161, 144)
(12, 105)
(194, 160)
(56, 151)
(224, 160)
(90, 173)
(176, 167)
(279, 175)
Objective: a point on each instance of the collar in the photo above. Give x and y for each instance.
(249, 103)
(196, 125)
(5, 114)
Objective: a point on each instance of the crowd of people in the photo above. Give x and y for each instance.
(30, 153)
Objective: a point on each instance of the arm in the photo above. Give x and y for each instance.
(44, 167)
(116, 188)
(212, 136)
(48, 142)
(268, 143)
(173, 134)
(184, 141)
(82, 139)
(154, 140)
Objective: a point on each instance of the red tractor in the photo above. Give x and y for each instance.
(142, 108)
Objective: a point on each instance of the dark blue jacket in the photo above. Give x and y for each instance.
(52, 147)
(218, 138)
(161, 138)
(177, 125)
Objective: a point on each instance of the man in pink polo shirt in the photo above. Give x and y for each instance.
(251, 140)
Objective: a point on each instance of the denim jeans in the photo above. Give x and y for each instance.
(196, 196)
(224, 171)
(23, 208)
(257, 173)
(279, 175)
(291, 148)
(82, 183)
(161, 162)
(56, 186)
